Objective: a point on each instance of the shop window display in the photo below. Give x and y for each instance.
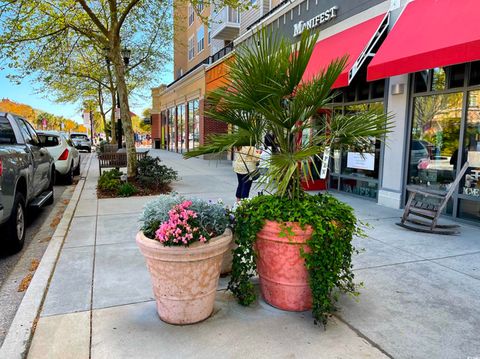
(435, 140)
(469, 205)
(171, 129)
(193, 124)
(181, 122)
(355, 172)
(438, 149)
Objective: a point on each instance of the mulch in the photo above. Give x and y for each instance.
(142, 190)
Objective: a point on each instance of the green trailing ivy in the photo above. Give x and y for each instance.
(330, 261)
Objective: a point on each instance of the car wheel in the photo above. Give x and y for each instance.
(69, 176)
(15, 227)
(76, 172)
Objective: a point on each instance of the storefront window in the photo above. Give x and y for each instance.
(469, 206)
(439, 79)
(435, 140)
(420, 81)
(171, 128)
(357, 164)
(181, 128)
(474, 74)
(193, 124)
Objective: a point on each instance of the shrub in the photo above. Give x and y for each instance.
(211, 215)
(150, 172)
(110, 180)
(126, 190)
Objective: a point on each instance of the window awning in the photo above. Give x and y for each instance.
(429, 34)
(357, 42)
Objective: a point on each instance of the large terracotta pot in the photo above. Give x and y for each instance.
(184, 279)
(228, 259)
(282, 272)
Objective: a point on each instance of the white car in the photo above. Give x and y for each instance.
(66, 156)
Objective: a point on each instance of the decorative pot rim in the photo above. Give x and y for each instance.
(197, 251)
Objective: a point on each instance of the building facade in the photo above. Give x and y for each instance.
(424, 71)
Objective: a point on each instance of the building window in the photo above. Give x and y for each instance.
(209, 36)
(193, 125)
(172, 137)
(181, 145)
(200, 39)
(200, 6)
(437, 149)
(191, 15)
(191, 48)
(351, 171)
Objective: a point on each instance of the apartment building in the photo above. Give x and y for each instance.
(417, 60)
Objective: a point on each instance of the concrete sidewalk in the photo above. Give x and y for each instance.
(421, 297)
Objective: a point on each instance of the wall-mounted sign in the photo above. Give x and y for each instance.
(361, 161)
(321, 18)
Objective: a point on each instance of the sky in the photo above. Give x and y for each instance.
(26, 93)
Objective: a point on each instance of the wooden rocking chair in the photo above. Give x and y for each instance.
(424, 209)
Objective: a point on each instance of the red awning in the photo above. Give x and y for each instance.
(429, 34)
(352, 42)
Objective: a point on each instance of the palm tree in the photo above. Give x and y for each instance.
(266, 94)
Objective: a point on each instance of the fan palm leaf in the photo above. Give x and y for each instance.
(267, 94)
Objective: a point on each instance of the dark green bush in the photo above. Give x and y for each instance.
(110, 180)
(150, 172)
(126, 190)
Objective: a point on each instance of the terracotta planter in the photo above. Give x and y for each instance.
(228, 259)
(184, 279)
(282, 272)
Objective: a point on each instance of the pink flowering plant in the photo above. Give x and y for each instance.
(182, 227)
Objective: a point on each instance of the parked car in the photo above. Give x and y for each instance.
(66, 156)
(27, 175)
(81, 141)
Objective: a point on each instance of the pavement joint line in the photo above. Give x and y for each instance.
(363, 336)
(417, 255)
(19, 335)
(433, 261)
(92, 283)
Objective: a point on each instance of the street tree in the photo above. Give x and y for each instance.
(31, 29)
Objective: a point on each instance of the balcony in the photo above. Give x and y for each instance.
(225, 24)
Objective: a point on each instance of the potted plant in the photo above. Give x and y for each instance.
(184, 242)
(299, 244)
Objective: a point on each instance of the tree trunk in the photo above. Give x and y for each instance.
(113, 93)
(124, 108)
(102, 112)
(113, 119)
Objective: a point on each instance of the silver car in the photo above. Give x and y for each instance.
(81, 141)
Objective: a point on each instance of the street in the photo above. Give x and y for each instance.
(16, 270)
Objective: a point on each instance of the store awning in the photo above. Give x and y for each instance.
(357, 42)
(429, 34)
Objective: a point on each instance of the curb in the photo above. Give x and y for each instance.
(17, 340)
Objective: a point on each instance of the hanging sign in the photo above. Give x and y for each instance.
(315, 21)
(326, 158)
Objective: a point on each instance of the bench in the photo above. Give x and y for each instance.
(116, 159)
(428, 205)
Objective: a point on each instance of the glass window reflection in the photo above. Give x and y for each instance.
(435, 140)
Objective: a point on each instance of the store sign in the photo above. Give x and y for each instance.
(321, 18)
(361, 161)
